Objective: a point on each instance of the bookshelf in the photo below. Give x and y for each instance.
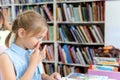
(70, 16)
(76, 27)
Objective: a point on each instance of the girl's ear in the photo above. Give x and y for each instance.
(21, 32)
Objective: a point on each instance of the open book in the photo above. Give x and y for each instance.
(79, 76)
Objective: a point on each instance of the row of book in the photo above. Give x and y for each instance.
(80, 55)
(106, 64)
(92, 11)
(106, 61)
(49, 68)
(6, 2)
(64, 70)
(50, 52)
(81, 33)
(44, 10)
(107, 68)
(74, 54)
(50, 34)
(30, 1)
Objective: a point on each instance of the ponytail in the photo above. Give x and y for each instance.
(7, 40)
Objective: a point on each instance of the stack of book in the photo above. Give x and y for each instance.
(108, 51)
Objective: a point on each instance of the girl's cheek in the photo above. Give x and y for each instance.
(35, 43)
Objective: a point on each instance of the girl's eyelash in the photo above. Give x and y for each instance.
(39, 37)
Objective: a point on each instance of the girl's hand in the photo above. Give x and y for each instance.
(6, 23)
(37, 56)
(56, 76)
(5, 15)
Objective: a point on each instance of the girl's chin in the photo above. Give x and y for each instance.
(31, 48)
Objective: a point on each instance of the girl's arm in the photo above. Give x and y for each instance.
(6, 68)
(29, 72)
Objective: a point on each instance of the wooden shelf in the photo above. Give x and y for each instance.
(7, 5)
(72, 64)
(76, 43)
(48, 61)
(76, 1)
(34, 3)
(84, 22)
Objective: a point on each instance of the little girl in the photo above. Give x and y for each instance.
(21, 61)
(3, 24)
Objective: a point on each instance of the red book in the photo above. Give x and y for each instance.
(48, 12)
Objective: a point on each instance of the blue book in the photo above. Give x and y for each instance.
(68, 56)
(76, 15)
(75, 54)
(64, 35)
(61, 34)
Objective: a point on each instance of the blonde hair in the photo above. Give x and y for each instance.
(31, 21)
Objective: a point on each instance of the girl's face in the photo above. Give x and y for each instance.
(30, 42)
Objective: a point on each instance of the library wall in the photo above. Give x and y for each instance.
(76, 31)
(112, 23)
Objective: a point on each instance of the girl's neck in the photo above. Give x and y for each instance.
(20, 44)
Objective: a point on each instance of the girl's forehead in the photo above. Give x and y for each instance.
(38, 33)
(42, 33)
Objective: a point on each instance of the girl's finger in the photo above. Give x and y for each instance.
(44, 52)
(38, 45)
(44, 48)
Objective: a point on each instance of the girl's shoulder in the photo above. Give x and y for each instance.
(4, 57)
(2, 48)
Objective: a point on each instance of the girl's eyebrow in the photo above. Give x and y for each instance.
(40, 36)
